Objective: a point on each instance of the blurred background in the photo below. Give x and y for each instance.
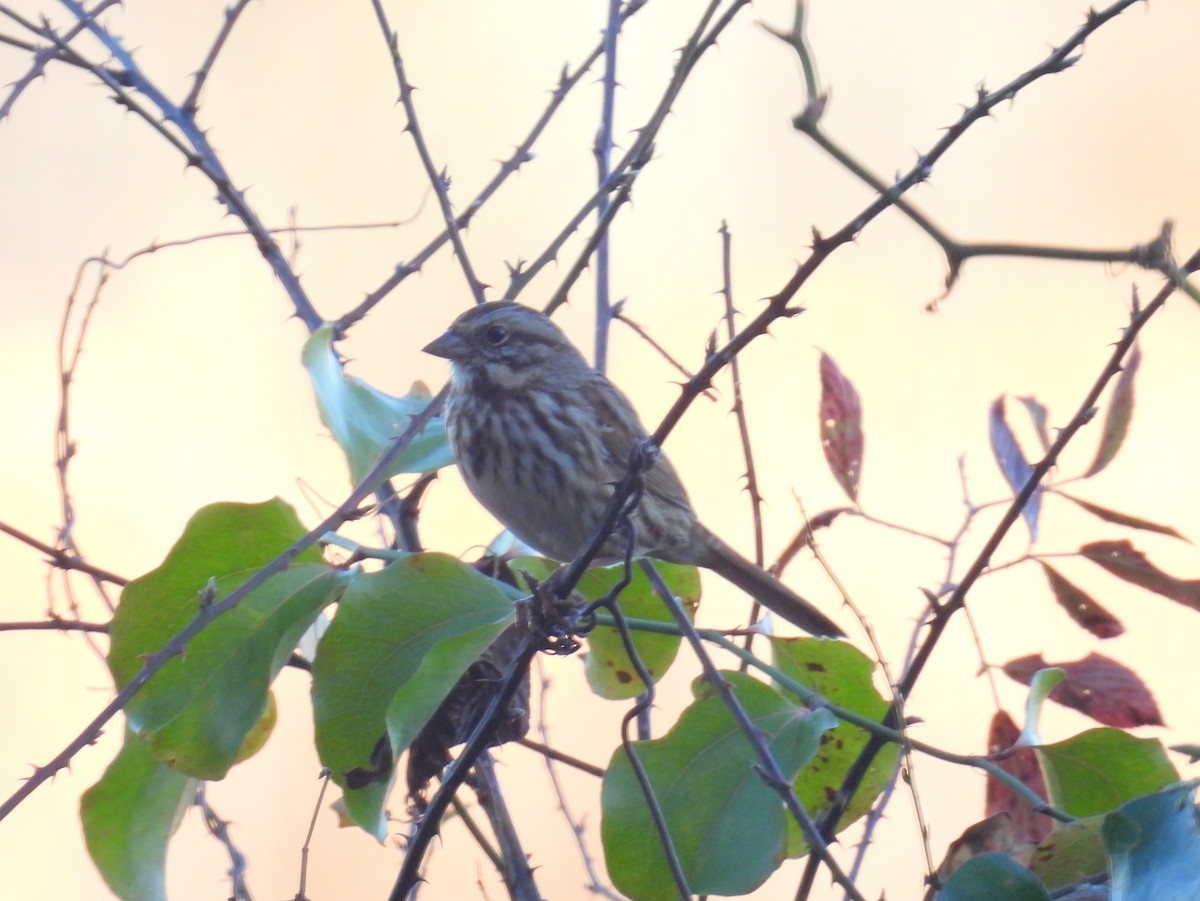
(190, 388)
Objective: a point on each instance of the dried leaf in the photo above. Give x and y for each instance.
(1126, 562)
(841, 426)
(1120, 411)
(992, 835)
(1012, 463)
(1107, 691)
(1124, 519)
(1081, 606)
(1026, 824)
(463, 708)
(1039, 415)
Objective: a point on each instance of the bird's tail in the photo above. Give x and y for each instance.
(767, 590)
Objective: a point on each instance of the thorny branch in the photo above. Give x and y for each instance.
(219, 829)
(808, 122)
(522, 154)
(1154, 255)
(439, 181)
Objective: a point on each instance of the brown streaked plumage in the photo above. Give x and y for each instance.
(541, 438)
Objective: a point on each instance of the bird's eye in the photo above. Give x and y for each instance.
(496, 335)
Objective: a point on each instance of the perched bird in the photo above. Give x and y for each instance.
(541, 438)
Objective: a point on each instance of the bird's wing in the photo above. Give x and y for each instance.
(620, 430)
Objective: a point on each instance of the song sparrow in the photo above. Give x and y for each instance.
(541, 438)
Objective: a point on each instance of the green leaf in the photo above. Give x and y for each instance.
(841, 673)
(1100, 769)
(199, 708)
(992, 876)
(727, 826)
(1153, 846)
(609, 670)
(364, 420)
(397, 646)
(129, 816)
(1071, 853)
(1120, 412)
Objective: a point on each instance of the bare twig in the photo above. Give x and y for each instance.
(558, 756)
(739, 414)
(64, 445)
(301, 894)
(518, 876)
(192, 102)
(63, 559)
(55, 624)
(179, 128)
(219, 829)
(551, 758)
(522, 154)
(602, 150)
(44, 55)
(440, 181)
(808, 122)
(625, 172)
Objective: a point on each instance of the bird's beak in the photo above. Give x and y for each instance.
(450, 345)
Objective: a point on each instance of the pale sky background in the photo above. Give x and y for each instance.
(191, 391)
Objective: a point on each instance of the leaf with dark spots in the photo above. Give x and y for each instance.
(841, 426)
(1081, 606)
(1107, 691)
(1027, 825)
(1123, 519)
(1012, 463)
(1126, 562)
(1120, 412)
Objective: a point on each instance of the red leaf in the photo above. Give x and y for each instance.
(841, 426)
(1082, 607)
(1012, 463)
(1105, 690)
(1120, 411)
(1027, 826)
(1123, 519)
(1126, 562)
